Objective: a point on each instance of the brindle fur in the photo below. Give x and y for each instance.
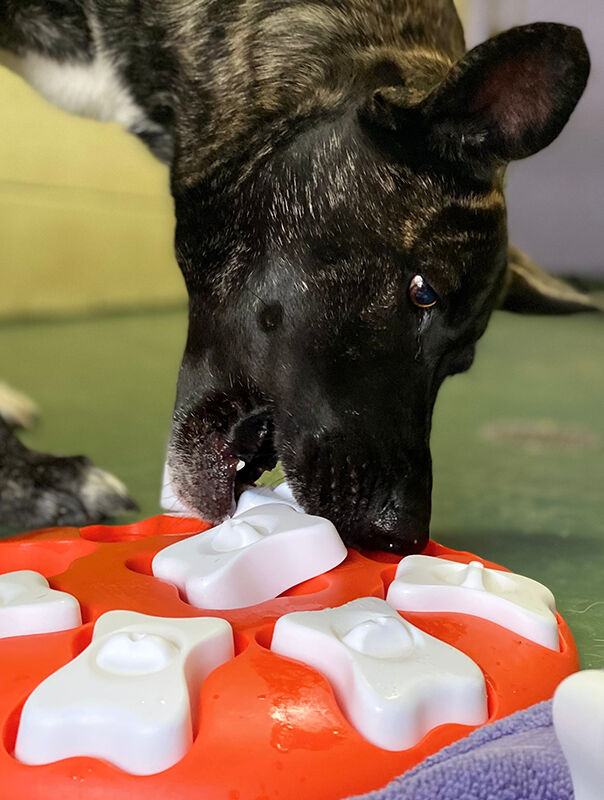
(322, 153)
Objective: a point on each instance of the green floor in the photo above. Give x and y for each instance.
(528, 495)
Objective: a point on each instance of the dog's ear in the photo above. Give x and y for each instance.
(506, 99)
(530, 290)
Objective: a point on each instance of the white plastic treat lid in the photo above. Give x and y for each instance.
(425, 583)
(260, 495)
(127, 698)
(393, 682)
(251, 558)
(28, 605)
(168, 501)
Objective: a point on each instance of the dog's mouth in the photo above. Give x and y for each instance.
(222, 447)
(217, 450)
(254, 446)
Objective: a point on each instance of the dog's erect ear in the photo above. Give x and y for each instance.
(506, 99)
(531, 290)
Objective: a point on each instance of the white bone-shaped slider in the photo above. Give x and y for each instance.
(28, 605)
(251, 558)
(130, 697)
(522, 605)
(393, 682)
(578, 713)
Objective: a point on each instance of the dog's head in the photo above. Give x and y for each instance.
(349, 272)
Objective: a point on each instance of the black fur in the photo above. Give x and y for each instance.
(322, 154)
(58, 29)
(38, 490)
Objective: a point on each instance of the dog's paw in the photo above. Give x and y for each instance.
(41, 491)
(103, 495)
(16, 408)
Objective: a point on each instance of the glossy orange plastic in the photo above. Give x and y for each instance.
(270, 728)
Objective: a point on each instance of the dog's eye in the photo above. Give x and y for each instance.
(422, 294)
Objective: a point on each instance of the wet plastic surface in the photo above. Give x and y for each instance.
(269, 728)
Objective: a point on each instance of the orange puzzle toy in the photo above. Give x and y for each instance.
(330, 689)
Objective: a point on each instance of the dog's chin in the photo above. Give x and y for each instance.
(204, 483)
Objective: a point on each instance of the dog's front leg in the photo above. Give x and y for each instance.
(39, 490)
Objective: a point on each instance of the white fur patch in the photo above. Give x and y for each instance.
(97, 482)
(102, 492)
(91, 89)
(16, 408)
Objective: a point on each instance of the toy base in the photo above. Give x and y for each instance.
(269, 727)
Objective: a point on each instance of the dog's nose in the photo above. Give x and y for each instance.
(403, 538)
(397, 521)
(377, 499)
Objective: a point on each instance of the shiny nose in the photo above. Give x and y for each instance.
(402, 539)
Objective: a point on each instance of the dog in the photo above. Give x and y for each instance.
(337, 169)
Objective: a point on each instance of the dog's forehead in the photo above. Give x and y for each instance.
(458, 244)
(446, 225)
(360, 211)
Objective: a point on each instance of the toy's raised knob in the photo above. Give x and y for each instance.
(381, 637)
(136, 653)
(235, 534)
(474, 576)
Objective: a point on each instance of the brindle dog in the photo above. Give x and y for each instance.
(337, 168)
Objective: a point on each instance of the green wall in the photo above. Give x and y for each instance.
(85, 213)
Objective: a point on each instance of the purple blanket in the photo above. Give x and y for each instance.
(517, 758)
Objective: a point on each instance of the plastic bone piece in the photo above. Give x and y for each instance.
(130, 697)
(251, 558)
(393, 681)
(578, 711)
(425, 583)
(28, 605)
(259, 495)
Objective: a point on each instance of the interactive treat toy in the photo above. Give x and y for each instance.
(264, 663)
